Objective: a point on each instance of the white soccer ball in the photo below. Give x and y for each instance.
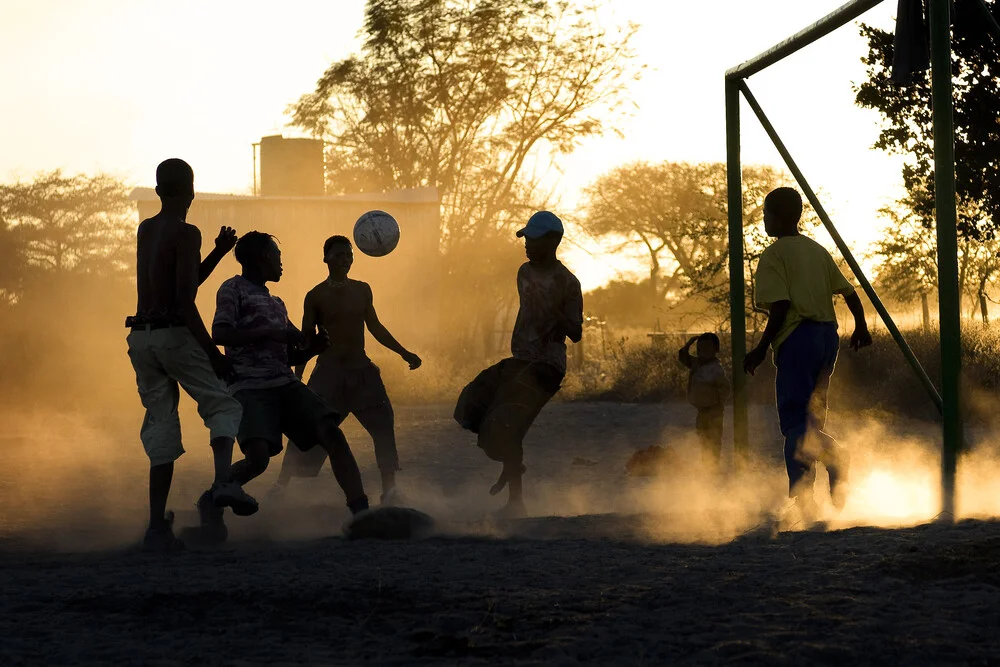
(376, 233)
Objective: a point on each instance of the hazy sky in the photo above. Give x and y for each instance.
(118, 85)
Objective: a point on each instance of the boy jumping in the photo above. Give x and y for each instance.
(503, 401)
(262, 344)
(796, 279)
(344, 376)
(708, 389)
(169, 346)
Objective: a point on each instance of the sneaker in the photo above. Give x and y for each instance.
(839, 479)
(231, 494)
(213, 527)
(162, 540)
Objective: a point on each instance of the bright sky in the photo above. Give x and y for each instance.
(118, 85)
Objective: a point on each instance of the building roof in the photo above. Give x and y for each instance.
(413, 196)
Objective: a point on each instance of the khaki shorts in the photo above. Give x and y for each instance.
(164, 361)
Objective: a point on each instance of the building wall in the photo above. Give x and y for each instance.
(405, 282)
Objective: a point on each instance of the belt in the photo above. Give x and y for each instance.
(155, 326)
(137, 324)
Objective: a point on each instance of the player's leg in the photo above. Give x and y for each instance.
(186, 361)
(834, 457)
(160, 435)
(380, 422)
(310, 422)
(260, 433)
(798, 368)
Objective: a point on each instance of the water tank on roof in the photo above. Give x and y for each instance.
(291, 167)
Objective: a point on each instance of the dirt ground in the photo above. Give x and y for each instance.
(679, 569)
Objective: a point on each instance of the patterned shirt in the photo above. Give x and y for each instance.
(245, 306)
(545, 293)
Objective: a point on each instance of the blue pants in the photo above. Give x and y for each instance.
(805, 364)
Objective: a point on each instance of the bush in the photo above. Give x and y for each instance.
(877, 378)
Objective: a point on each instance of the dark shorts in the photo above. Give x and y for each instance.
(503, 401)
(291, 410)
(350, 390)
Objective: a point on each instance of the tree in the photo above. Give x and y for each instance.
(472, 97)
(68, 225)
(908, 128)
(907, 255)
(677, 212)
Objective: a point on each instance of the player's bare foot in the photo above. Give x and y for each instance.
(514, 509)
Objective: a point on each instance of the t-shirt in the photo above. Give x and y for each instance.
(545, 291)
(246, 306)
(799, 270)
(708, 384)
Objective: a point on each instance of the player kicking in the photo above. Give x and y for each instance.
(503, 401)
(253, 326)
(344, 376)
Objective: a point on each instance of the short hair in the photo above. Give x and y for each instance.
(335, 240)
(174, 177)
(785, 203)
(712, 338)
(252, 245)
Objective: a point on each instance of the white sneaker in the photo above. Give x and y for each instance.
(392, 498)
(232, 495)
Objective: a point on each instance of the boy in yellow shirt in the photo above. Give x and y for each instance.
(796, 279)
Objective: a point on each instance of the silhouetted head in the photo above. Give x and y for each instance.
(782, 212)
(260, 257)
(542, 236)
(708, 346)
(175, 183)
(338, 253)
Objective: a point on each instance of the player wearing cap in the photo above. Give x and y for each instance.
(503, 401)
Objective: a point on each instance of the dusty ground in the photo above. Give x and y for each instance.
(683, 569)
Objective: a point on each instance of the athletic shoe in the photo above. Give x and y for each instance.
(162, 540)
(213, 527)
(231, 494)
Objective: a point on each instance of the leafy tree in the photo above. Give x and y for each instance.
(907, 127)
(67, 225)
(677, 212)
(473, 97)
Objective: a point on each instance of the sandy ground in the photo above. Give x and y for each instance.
(610, 570)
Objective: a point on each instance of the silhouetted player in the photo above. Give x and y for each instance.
(503, 401)
(262, 344)
(170, 346)
(344, 375)
(795, 281)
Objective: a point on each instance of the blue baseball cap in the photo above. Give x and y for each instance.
(540, 224)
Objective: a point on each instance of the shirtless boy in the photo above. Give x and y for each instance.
(170, 346)
(345, 377)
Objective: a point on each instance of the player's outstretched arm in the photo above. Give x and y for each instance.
(224, 242)
(386, 339)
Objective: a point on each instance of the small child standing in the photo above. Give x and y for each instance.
(708, 389)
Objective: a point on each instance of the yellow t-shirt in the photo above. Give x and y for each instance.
(797, 269)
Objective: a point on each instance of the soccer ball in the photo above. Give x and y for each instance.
(376, 233)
